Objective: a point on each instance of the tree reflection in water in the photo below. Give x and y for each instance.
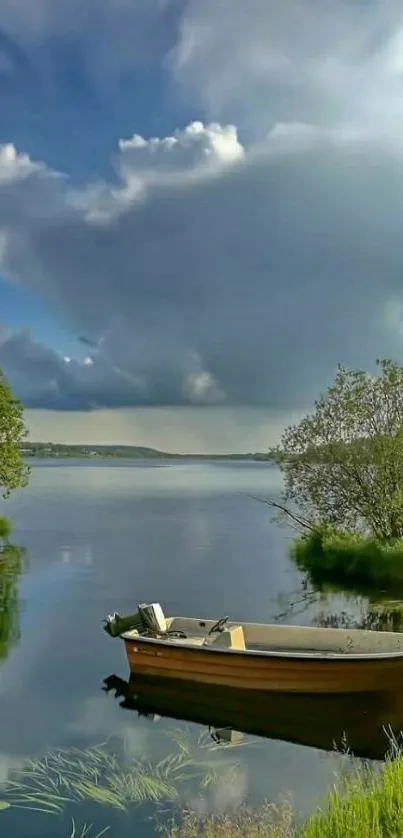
(12, 559)
(371, 609)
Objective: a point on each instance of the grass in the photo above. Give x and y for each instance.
(367, 803)
(348, 558)
(86, 831)
(268, 821)
(74, 776)
(60, 778)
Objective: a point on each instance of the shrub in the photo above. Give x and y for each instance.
(337, 555)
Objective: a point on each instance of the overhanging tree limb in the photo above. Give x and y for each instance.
(298, 519)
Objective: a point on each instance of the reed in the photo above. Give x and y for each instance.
(365, 801)
(268, 821)
(86, 831)
(368, 802)
(60, 778)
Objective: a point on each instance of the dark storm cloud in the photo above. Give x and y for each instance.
(241, 278)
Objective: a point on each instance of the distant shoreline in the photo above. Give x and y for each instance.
(50, 450)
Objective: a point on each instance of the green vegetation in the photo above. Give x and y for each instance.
(368, 802)
(343, 478)
(51, 449)
(268, 821)
(96, 775)
(133, 452)
(11, 562)
(86, 831)
(13, 471)
(5, 529)
(348, 557)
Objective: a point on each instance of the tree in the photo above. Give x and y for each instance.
(13, 471)
(343, 465)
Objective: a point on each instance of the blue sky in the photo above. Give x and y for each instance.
(209, 193)
(56, 112)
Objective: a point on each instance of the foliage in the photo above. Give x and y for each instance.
(343, 465)
(368, 802)
(5, 528)
(95, 774)
(63, 450)
(72, 776)
(365, 802)
(268, 821)
(11, 561)
(13, 471)
(353, 558)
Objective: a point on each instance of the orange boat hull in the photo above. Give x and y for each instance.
(268, 672)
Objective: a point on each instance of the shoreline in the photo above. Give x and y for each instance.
(35, 450)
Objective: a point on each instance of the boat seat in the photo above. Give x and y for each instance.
(230, 638)
(188, 641)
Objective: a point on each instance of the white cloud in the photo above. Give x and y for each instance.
(216, 276)
(315, 60)
(193, 154)
(196, 148)
(14, 166)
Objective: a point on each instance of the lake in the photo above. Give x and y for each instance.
(104, 536)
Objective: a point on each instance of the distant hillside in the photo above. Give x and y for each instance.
(135, 452)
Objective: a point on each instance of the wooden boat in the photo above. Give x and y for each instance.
(256, 656)
(365, 723)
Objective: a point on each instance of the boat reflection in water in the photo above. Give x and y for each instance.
(364, 723)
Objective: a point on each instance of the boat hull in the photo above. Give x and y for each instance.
(268, 672)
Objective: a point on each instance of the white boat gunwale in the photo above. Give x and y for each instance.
(319, 655)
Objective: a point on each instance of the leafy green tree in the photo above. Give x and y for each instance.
(343, 465)
(13, 471)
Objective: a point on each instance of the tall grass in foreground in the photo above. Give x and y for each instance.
(336, 555)
(367, 803)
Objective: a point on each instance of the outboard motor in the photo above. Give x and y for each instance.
(153, 618)
(148, 618)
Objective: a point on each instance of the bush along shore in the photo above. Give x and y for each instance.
(339, 556)
(342, 469)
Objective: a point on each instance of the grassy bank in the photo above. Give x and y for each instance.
(368, 803)
(343, 557)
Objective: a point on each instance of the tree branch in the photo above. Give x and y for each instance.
(302, 522)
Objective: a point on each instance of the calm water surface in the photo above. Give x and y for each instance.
(100, 537)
